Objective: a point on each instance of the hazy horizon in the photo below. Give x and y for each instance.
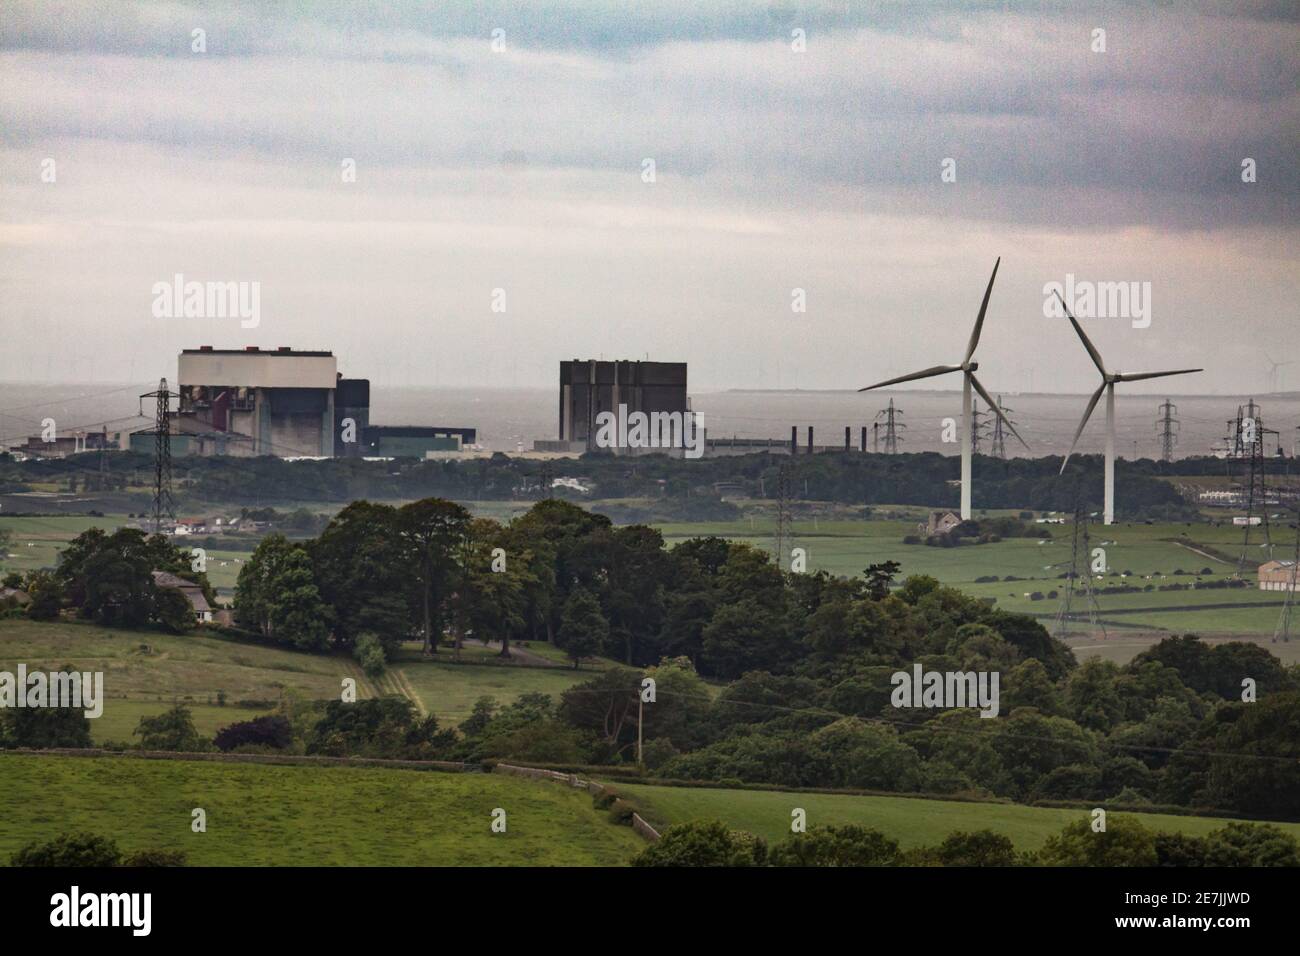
(798, 154)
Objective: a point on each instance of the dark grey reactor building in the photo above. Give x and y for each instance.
(590, 387)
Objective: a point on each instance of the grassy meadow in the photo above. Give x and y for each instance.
(146, 671)
(911, 821)
(1136, 554)
(266, 815)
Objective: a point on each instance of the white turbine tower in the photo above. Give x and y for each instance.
(1108, 380)
(967, 368)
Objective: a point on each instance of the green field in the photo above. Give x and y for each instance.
(1122, 646)
(36, 542)
(913, 822)
(307, 816)
(194, 667)
(1148, 554)
(449, 690)
(145, 671)
(1145, 554)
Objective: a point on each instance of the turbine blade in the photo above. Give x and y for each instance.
(1087, 343)
(979, 320)
(1087, 413)
(1139, 376)
(924, 373)
(994, 405)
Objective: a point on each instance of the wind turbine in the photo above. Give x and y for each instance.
(1272, 373)
(1108, 380)
(967, 368)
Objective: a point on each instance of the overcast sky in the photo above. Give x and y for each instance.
(521, 169)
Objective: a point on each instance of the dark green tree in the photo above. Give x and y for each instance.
(979, 848)
(583, 628)
(1124, 842)
(432, 533)
(79, 849)
(849, 845)
(173, 729)
(702, 843)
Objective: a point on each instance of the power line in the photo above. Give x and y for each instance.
(72, 398)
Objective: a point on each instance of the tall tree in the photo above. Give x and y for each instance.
(433, 532)
(257, 582)
(583, 628)
(298, 616)
(361, 572)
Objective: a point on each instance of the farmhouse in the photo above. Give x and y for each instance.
(940, 522)
(1277, 576)
(193, 593)
(14, 596)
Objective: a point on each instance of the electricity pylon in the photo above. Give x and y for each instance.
(999, 444)
(1080, 536)
(1283, 629)
(782, 538)
(1168, 426)
(164, 505)
(893, 425)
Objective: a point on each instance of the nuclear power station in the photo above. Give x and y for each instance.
(590, 387)
(290, 404)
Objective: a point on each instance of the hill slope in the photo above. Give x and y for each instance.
(260, 815)
(911, 821)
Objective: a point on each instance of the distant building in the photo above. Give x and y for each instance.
(573, 484)
(64, 445)
(411, 441)
(14, 597)
(1221, 499)
(1277, 576)
(351, 416)
(193, 593)
(939, 522)
(248, 402)
(589, 387)
(286, 403)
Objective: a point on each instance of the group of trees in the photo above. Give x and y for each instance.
(1124, 842)
(90, 850)
(1133, 736)
(385, 574)
(108, 578)
(556, 573)
(807, 661)
(684, 489)
(378, 575)
(807, 658)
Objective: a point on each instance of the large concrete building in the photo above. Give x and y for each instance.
(246, 402)
(286, 403)
(590, 387)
